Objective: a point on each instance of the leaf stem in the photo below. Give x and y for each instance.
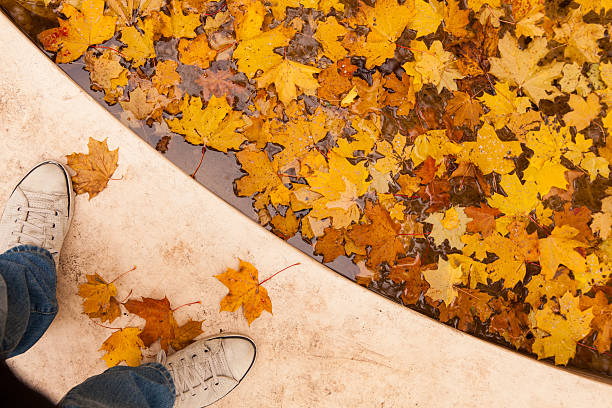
(200, 163)
(270, 277)
(186, 304)
(122, 275)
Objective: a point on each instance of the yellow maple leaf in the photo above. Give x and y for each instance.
(456, 19)
(547, 144)
(432, 144)
(580, 37)
(139, 45)
(442, 281)
(83, 28)
(602, 221)
(477, 4)
(511, 257)
(386, 21)
(339, 187)
(94, 169)
(177, 24)
(287, 77)
(258, 52)
(595, 5)
(597, 273)
(558, 249)
(563, 330)
(107, 74)
(433, 65)
(213, 126)
(262, 177)
(449, 225)
(584, 111)
(427, 18)
(244, 290)
(196, 52)
(327, 35)
(124, 9)
(529, 23)
(489, 153)
(520, 68)
(595, 165)
(248, 18)
(99, 298)
(123, 345)
(504, 104)
(520, 199)
(547, 176)
(298, 138)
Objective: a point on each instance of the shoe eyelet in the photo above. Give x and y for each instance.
(56, 213)
(53, 226)
(52, 237)
(216, 383)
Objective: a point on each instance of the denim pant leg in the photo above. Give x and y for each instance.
(27, 298)
(147, 386)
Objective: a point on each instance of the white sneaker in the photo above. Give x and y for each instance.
(39, 210)
(207, 370)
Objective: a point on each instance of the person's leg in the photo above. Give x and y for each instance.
(147, 386)
(27, 298)
(32, 229)
(196, 376)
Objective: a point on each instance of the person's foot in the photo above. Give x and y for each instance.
(207, 370)
(39, 210)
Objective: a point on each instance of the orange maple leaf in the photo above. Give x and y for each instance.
(160, 324)
(244, 290)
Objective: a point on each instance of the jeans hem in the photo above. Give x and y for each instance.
(30, 248)
(163, 371)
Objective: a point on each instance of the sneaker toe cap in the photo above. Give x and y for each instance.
(47, 178)
(240, 355)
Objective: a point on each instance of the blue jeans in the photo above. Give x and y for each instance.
(27, 308)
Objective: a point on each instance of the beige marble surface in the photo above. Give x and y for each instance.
(330, 343)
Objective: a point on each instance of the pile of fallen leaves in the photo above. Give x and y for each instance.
(458, 152)
(126, 344)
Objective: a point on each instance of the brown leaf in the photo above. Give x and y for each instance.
(380, 234)
(578, 218)
(160, 323)
(437, 194)
(368, 100)
(427, 170)
(465, 110)
(94, 169)
(468, 305)
(470, 173)
(402, 95)
(287, 225)
(511, 322)
(333, 85)
(220, 83)
(483, 219)
(602, 322)
(331, 244)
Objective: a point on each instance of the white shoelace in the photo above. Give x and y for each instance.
(35, 227)
(201, 370)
